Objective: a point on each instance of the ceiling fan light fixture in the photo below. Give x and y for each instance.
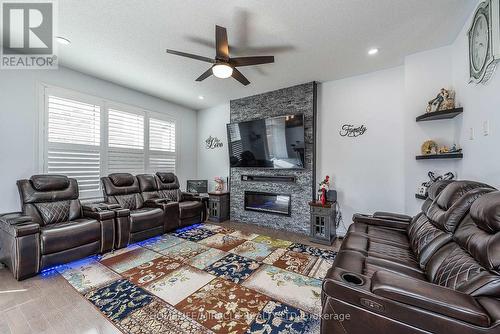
(222, 71)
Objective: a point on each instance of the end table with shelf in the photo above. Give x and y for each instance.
(323, 226)
(218, 206)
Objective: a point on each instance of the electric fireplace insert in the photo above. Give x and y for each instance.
(268, 202)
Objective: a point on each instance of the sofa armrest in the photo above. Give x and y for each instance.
(190, 197)
(17, 225)
(170, 210)
(429, 297)
(156, 202)
(20, 244)
(392, 216)
(103, 206)
(374, 221)
(97, 211)
(102, 213)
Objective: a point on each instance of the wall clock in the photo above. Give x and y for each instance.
(484, 41)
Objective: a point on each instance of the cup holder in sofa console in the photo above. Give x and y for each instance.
(352, 279)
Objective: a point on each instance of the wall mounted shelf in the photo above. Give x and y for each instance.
(440, 156)
(418, 196)
(437, 115)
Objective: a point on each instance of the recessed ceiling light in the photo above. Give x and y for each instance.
(373, 51)
(201, 97)
(63, 41)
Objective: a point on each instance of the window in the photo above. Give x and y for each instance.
(74, 142)
(85, 138)
(161, 145)
(126, 142)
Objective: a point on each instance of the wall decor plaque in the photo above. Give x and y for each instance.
(349, 130)
(213, 143)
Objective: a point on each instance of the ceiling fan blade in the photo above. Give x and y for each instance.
(192, 56)
(221, 45)
(248, 61)
(205, 75)
(240, 77)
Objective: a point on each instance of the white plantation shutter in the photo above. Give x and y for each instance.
(162, 153)
(85, 137)
(73, 142)
(125, 142)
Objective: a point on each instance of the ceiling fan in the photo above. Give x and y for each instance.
(224, 66)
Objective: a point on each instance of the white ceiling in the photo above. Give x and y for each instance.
(124, 41)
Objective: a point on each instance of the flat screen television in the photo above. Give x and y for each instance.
(276, 142)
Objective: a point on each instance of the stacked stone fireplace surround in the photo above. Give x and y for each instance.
(294, 100)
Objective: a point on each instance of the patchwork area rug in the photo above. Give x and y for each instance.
(206, 279)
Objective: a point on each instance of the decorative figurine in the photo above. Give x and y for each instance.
(449, 100)
(444, 149)
(219, 184)
(443, 101)
(429, 147)
(455, 149)
(324, 186)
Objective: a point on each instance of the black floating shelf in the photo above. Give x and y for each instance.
(440, 156)
(442, 114)
(268, 178)
(420, 196)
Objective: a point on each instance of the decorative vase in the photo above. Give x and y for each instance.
(219, 185)
(323, 196)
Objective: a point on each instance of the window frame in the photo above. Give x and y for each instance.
(41, 155)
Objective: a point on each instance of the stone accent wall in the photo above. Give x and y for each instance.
(288, 101)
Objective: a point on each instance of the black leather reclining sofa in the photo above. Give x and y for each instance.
(155, 203)
(436, 273)
(55, 228)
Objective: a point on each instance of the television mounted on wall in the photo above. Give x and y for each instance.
(276, 142)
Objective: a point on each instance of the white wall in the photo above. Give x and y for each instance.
(367, 170)
(481, 103)
(378, 170)
(213, 162)
(425, 74)
(19, 109)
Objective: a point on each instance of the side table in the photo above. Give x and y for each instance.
(218, 206)
(323, 230)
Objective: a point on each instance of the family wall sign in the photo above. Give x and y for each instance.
(349, 130)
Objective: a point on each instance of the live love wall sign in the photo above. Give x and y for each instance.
(349, 130)
(213, 143)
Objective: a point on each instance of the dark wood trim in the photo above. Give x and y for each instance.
(437, 115)
(315, 122)
(440, 156)
(268, 178)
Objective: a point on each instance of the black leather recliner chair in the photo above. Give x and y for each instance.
(439, 275)
(53, 228)
(150, 194)
(146, 218)
(191, 207)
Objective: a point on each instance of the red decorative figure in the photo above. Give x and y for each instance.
(324, 186)
(323, 196)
